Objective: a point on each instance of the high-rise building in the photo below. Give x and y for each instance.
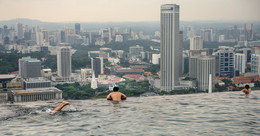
(240, 63)
(45, 36)
(135, 51)
(27, 35)
(39, 38)
(62, 36)
(204, 52)
(248, 32)
(206, 34)
(64, 63)
(225, 62)
(77, 28)
(202, 67)
(193, 55)
(181, 60)
(196, 43)
(106, 35)
(170, 47)
(20, 31)
(221, 38)
(156, 58)
(255, 61)
(97, 66)
(29, 67)
(205, 67)
(119, 38)
(146, 56)
(247, 52)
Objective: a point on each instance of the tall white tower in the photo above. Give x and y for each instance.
(170, 47)
(196, 43)
(64, 62)
(93, 81)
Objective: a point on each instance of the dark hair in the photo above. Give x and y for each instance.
(247, 87)
(115, 89)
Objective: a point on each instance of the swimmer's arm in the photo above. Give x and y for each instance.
(63, 104)
(123, 96)
(109, 97)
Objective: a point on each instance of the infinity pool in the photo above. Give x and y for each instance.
(229, 113)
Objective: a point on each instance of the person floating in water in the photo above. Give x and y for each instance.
(116, 95)
(62, 105)
(246, 90)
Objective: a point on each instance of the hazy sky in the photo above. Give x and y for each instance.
(127, 10)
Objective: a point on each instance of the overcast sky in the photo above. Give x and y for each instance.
(128, 10)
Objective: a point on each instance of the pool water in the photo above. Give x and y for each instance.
(228, 113)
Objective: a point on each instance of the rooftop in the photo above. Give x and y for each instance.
(130, 70)
(37, 79)
(244, 80)
(136, 77)
(139, 67)
(6, 77)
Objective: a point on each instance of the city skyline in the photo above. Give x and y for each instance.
(125, 11)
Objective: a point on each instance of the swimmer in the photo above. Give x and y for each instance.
(63, 104)
(116, 96)
(246, 90)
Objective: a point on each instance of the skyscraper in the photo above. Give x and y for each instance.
(45, 36)
(97, 66)
(207, 34)
(170, 47)
(202, 67)
(20, 31)
(62, 36)
(77, 28)
(248, 31)
(181, 61)
(255, 62)
(29, 67)
(205, 67)
(225, 62)
(196, 43)
(240, 63)
(64, 63)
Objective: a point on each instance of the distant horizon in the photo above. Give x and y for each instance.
(217, 21)
(127, 10)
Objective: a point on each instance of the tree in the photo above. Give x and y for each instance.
(153, 69)
(227, 81)
(124, 63)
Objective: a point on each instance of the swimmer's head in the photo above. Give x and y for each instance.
(115, 89)
(247, 87)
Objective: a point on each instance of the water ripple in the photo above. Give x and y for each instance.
(229, 113)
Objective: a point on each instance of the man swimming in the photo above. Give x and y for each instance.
(116, 96)
(62, 105)
(246, 90)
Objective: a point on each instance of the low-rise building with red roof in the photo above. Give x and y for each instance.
(139, 67)
(136, 77)
(130, 71)
(148, 73)
(219, 81)
(241, 81)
